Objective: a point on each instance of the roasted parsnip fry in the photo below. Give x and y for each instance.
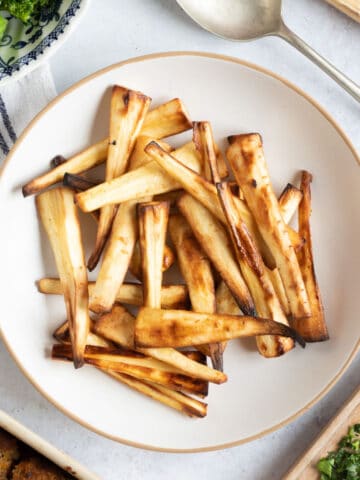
(196, 270)
(255, 273)
(279, 289)
(135, 263)
(127, 113)
(167, 119)
(77, 183)
(211, 234)
(150, 179)
(201, 131)
(116, 259)
(246, 157)
(289, 201)
(118, 327)
(153, 220)
(172, 296)
(62, 335)
(225, 302)
(59, 216)
(82, 161)
(313, 328)
(138, 157)
(181, 328)
(135, 365)
(177, 400)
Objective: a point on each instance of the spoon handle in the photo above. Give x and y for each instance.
(345, 82)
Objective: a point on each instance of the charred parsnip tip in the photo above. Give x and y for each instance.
(215, 242)
(77, 183)
(172, 296)
(127, 114)
(246, 157)
(196, 269)
(151, 179)
(252, 267)
(135, 263)
(168, 119)
(135, 365)
(202, 138)
(153, 220)
(116, 259)
(313, 328)
(181, 328)
(171, 398)
(57, 160)
(138, 157)
(118, 326)
(60, 219)
(289, 202)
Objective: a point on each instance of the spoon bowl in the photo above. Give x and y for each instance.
(241, 20)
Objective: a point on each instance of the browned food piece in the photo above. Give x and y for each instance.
(225, 301)
(127, 114)
(150, 179)
(181, 328)
(118, 326)
(213, 238)
(167, 119)
(246, 157)
(196, 269)
(153, 219)
(312, 328)
(59, 216)
(139, 157)
(117, 256)
(136, 365)
(289, 201)
(77, 182)
(135, 262)
(202, 134)
(172, 296)
(172, 398)
(38, 468)
(9, 453)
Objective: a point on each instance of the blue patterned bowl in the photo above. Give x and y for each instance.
(24, 46)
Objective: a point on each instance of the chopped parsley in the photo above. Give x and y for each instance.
(344, 463)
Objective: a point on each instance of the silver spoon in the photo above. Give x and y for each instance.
(249, 19)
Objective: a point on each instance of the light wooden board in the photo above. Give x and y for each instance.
(349, 7)
(305, 467)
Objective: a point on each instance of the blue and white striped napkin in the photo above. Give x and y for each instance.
(20, 101)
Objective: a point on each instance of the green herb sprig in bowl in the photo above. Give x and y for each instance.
(344, 463)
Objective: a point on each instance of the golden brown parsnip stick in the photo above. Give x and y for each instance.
(181, 328)
(196, 269)
(172, 296)
(246, 157)
(313, 328)
(201, 138)
(279, 289)
(167, 119)
(135, 263)
(254, 271)
(62, 335)
(118, 326)
(171, 398)
(150, 179)
(153, 219)
(289, 202)
(138, 157)
(213, 237)
(116, 259)
(135, 365)
(59, 217)
(127, 113)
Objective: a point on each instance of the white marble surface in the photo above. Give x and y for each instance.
(114, 30)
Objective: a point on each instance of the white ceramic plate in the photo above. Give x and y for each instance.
(261, 394)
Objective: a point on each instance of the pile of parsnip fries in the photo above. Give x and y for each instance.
(245, 271)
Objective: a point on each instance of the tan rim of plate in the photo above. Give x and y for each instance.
(337, 128)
